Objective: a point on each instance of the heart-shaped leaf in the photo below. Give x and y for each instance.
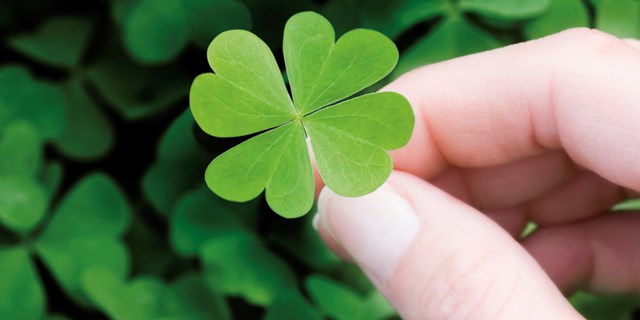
(247, 95)
(351, 133)
(277, 160)
(321, 72)
(21, 293)
(85, 231)
(254, 98)
(60, 41)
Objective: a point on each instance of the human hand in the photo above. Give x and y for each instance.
(547, 130)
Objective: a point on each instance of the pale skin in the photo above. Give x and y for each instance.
(548, 131)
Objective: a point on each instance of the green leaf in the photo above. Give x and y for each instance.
(180, 159)
(451, 38)
(85, 231)
(341, 303)
(208, 18)
(292, 306)
(201, 300)
(88, 134)
(302, 240)
(321, 72)
(606, 307)
(145, 298)
(22, 97)
(149, 251)
(23, 203)
(276, 160)
(254, 98)
(21, 293)
(197, 217)
(20, 150)
(52, 177)
(136, 92)
(561, 15)
(155, 32)
(507, 9)
(392, 17)
(619, 17)
(350, 140)
(60, 41)
(247, 95)
(237, 264)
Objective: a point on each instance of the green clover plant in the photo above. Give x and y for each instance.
(349, 138)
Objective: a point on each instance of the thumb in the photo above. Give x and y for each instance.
(434, 257)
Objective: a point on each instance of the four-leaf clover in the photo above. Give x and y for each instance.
(349, 138)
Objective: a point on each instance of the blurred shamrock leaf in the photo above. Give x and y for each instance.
(156, 33)
(148, 298)
(392, 17)
(51, 177)
(23, 203)
(349, 139)
(85, 231)
(135, 91)
(619, 17)
(40, 103)
(292, 306)
(204, 302)
(179, 159)
(341, 303)
(452, 37)
(59, 41)
(601, 307)
(561, 15)
(199, 214)
(88, 134)
(301, 240)
(207, 18)
(511, 9)
(237, 264)
(21, 293)
(20, 149)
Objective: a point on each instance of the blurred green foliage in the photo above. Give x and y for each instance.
(103, 211)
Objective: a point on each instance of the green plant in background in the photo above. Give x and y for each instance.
(104, 213)
(247, 95)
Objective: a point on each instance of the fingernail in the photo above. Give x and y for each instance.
(376, 229)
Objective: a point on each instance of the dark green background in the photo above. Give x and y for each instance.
(103, 211)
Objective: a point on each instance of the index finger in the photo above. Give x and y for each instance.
(578, 90)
